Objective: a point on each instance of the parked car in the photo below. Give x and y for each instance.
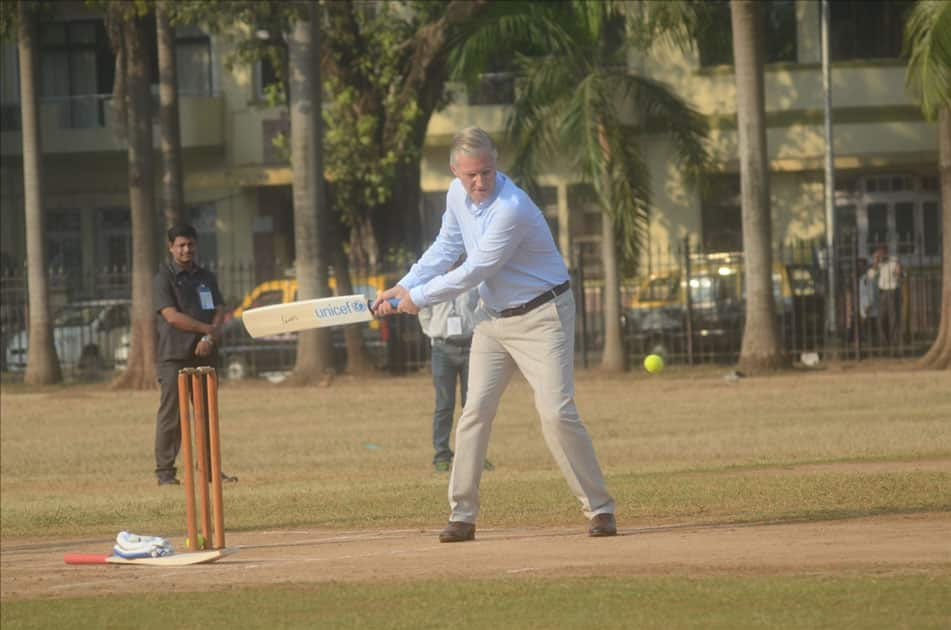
(656, 320)
(86, 335)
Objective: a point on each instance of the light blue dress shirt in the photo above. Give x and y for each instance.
(510, 253)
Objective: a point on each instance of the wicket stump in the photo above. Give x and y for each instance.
(199, 386)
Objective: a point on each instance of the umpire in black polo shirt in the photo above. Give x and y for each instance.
(189, 310)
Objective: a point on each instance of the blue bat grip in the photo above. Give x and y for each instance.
(393, 302)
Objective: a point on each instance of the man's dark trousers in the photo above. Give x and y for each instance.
(168, 430)
(450, 365)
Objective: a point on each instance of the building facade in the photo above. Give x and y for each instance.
(237, 184)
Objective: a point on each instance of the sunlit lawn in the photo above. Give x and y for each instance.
(683, 446)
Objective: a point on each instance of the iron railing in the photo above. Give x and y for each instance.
(686, 304)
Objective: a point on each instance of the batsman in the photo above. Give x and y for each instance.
(525, 320)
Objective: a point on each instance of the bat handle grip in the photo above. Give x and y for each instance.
(393, 302)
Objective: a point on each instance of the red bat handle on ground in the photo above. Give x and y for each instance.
(85, 558)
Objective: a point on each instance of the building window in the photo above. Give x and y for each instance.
(9, 89)
(866, 29)
(77, 67)
(714, 33)
(721, 214)
(267, 80)
(113, 240)
(193, 61)
(64, 252)
(204, 218)
(275, 139)
(931, 220)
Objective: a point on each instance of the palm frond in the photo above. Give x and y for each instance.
(576, 97)
(660, 111)
(504, 30)
(928, 47)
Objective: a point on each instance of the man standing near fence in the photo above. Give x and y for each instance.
(886, 270)
(189, 310)
(525, 320)
(449, 326)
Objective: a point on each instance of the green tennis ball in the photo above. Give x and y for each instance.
(653, 363)
(201, 542)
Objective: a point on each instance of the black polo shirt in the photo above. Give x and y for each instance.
(181, 288)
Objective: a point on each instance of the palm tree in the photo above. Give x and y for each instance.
(314, 357)
(761, 347)
(173, 202)
(133, 98)
(580, 107)
(42, 365)
(928, 43)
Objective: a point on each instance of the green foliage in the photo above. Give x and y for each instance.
(673, 21)
(370, 125)
(256, 29)
(119, 9)
(8, 20)
(8, 15)
(578, 103)
(928, 47)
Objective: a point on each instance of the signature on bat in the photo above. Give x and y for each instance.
(287, 319)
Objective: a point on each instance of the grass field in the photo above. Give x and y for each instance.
(682, 447)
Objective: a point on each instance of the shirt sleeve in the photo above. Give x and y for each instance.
(497, 244)
(445, 250)
(162, 292)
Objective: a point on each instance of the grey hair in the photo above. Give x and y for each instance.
(472, 140)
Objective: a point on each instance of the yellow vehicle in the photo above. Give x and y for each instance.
(657, 317)
(243, 356)
(285, 290)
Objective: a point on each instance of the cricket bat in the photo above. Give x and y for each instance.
(174, 560)
(305, 314)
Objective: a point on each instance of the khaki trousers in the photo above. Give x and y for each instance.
(540, 344)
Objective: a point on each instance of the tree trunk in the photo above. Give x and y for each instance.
(140, 373)
(939, 356)
(173, 196)
(42, 364)
(612, 357)
(761, 348)
(358, 359)
(314, 363)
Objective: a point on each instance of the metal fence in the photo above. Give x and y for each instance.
(685, 304)
(690, 306)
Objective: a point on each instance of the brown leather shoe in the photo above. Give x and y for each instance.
(457, 531)
(602, 525)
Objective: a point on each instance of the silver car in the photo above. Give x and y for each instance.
(86, 335)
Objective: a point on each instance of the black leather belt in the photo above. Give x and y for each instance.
(462, 342)
(535, 302)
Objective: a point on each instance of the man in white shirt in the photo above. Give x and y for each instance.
(887, 272)
(449, 326)
(525, 320)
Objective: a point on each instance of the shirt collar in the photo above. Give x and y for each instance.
(178, 269)
(478, 208)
